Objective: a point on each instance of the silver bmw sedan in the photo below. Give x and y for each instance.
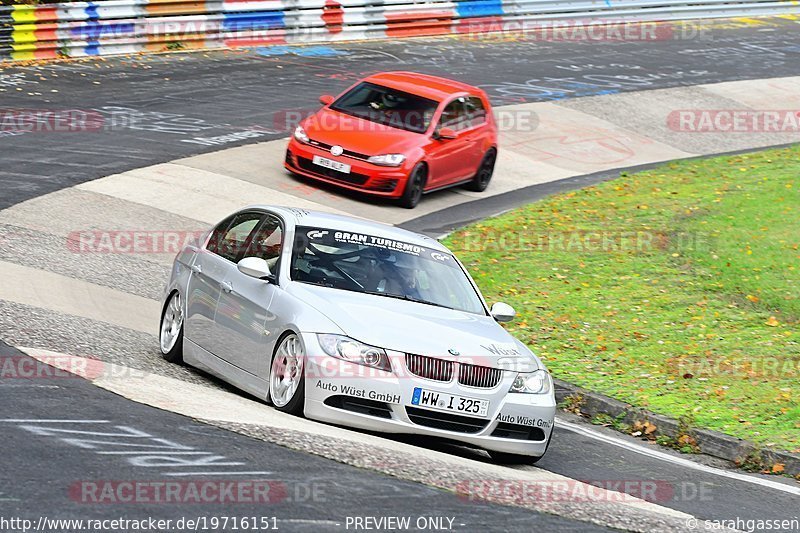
(359, 324)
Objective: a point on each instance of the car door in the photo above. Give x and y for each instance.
(202, 293)
(210, 267)
(480, 131)
(451, 160)
(243, 311)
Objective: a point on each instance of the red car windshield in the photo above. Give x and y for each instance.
(387, 106)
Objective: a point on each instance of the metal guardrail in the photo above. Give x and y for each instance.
(75, 29)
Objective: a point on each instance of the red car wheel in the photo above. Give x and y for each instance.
(485, 171)
(414, 186)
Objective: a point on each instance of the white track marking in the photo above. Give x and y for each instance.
(657, 454)
(55, 292)
(195, 193)
(46, 421)
(151, 453)
(177, 474)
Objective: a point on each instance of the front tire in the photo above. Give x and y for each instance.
(485, 172)
(414, 187)
(287, 385)
(171, 332)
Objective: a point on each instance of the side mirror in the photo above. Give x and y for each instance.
(503, 312)
(446, 133)
(255, 267)
(326, 99)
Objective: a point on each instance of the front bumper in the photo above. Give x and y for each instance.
(353, 395)
(364, 177)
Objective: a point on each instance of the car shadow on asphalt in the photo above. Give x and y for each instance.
(355, 196)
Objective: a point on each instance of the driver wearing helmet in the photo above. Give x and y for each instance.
(387, 101)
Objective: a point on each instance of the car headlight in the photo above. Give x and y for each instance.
(387, 160)
(300, 134)
(353, 351)
(538, 382)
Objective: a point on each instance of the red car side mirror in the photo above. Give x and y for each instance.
(447, 133)
(326, 99)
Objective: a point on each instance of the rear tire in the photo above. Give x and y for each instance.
(170, 338)
(485, 172)
(414, 187)
(287, 384)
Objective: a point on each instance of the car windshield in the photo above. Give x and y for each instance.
(382, 266)
(387, 106)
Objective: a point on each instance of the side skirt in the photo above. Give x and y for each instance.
(456, 184)
(202, 359)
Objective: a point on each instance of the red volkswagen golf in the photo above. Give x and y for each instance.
(399, 135)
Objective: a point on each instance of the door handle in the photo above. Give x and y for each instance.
(226, 286)
(196, 269)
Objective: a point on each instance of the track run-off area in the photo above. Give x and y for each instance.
(181, 140)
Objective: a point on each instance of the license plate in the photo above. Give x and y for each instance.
(330, 163)
(449, 402)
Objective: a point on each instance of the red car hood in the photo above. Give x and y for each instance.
(359, 135)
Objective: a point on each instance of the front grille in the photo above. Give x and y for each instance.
(354, 177)
(360, 405)
(504, 430)
(481, 377)
(348, 153)
(445, 421)
(429, 367)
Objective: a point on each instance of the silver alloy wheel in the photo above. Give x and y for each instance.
(171, 324)
(287, 371)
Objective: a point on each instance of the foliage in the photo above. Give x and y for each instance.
(675, 289)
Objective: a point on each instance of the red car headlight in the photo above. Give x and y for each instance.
(300, 134)
(387, 160)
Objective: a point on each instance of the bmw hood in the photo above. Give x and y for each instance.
(358, 135)
(417, 328)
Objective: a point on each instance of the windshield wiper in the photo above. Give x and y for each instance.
(407, 298)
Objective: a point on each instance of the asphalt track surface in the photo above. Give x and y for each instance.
(180, 101)
(308, 493)
(151, 106)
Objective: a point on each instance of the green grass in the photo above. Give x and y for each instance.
(675, 289)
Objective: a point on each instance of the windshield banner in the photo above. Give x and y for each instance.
(327, 237)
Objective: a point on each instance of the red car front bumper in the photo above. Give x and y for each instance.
(364, 177)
